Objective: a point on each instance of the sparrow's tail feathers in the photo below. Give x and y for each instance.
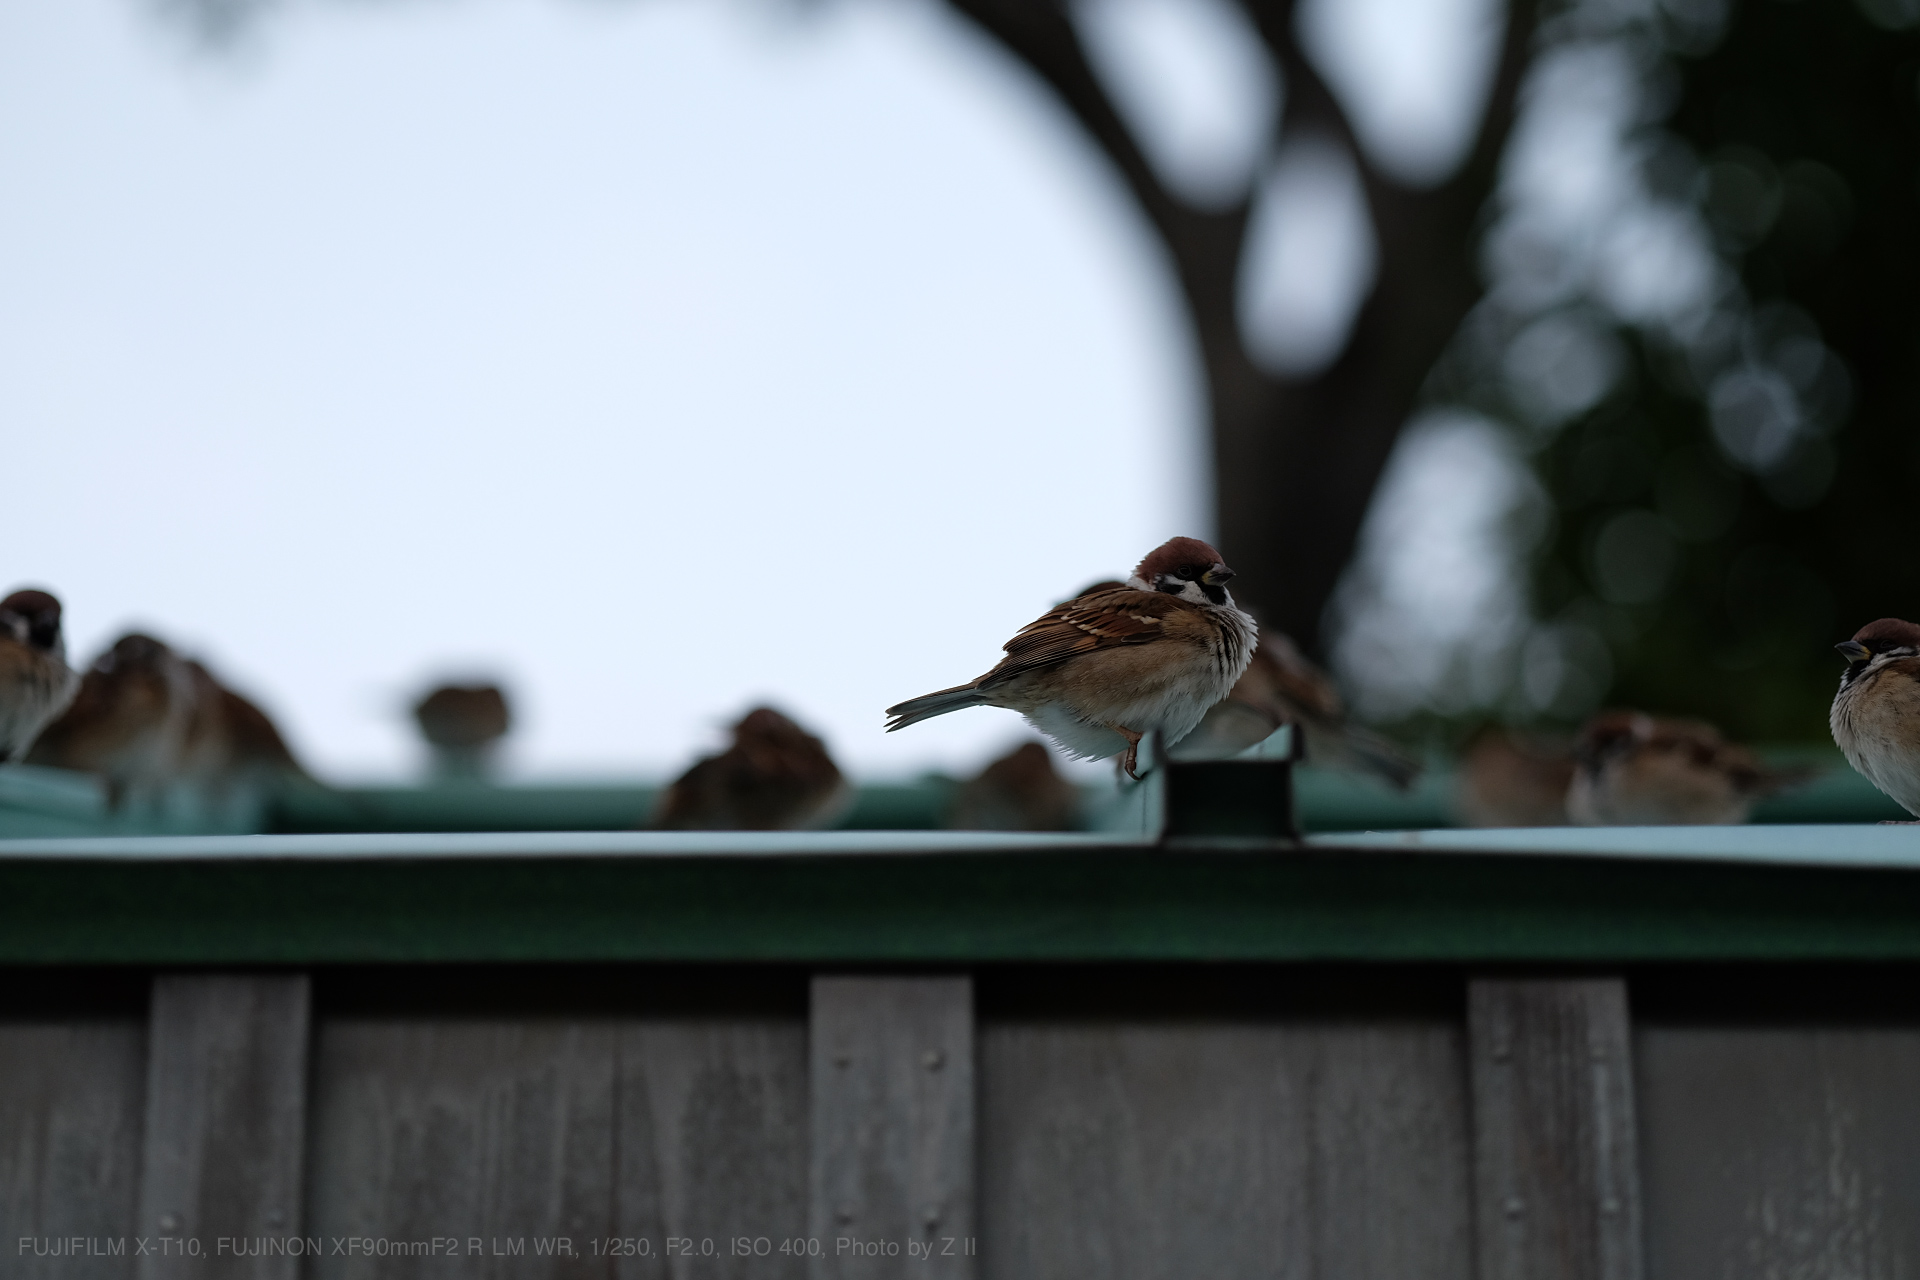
(927, 706)
(1369, 752)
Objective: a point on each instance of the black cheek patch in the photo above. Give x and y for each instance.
(1172, 588)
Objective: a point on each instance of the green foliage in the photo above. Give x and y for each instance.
(1719, 549)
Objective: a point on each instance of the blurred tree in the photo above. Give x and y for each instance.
(1740, 499)
(1296, 459)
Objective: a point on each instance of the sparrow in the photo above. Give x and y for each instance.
(1282, 687)
(1631, 769)
(462, 725)
(775, 777)
(1511, 779)
(1099, 672)
(1021, 791)
(1875, 716)
(147, 718)
(36, 684)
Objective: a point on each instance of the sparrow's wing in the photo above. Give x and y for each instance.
(1097, 620)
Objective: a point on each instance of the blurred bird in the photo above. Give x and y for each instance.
(1631, 769)
(1876, 714)
(1282, 687)
(147, 719)
(1102, 670)
(1509, 779)
(1021, 791)
(463, 725)
(775, 777)
(36, 684)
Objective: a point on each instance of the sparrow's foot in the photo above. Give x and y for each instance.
(1129, 760)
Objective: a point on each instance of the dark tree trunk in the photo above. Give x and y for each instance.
(1296, 461)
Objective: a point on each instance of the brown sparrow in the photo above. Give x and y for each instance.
(1104, 669)
(1510, 779)
(775, 777)
(463, 724)
(36, 684)
(1631, 769)
(1282, 687)
(1021, 791)
(1876, 714)
(147, 718)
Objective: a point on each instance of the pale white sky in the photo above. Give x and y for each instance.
(658, 358)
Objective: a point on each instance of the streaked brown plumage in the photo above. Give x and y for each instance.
(1875, 717)
(1282, 687)
(775, 777)
(1021, 791)
(1632, 769)
(1104, 669)
(463, 724)
(147, 719)
(36, 684)
(1510, 778)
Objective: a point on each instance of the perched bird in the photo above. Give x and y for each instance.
(775, 777)
(1021, 791)
(1099, 672)
(1631, 769)
(36, 684)
(1876, 714)
(1511, 779)
(1281, 687)
(463, 724)
(147, 719)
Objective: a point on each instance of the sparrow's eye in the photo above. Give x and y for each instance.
(1187, 571)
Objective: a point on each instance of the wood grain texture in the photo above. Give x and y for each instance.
(72, 1101)
(501, 1138)
(1555, 1158)
(713, 1146)
(1175, 1150)
(225, 1122)
(892, 1070)
(1779, 1153)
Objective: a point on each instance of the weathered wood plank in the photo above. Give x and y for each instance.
(892, 1179)
(1153, 1150)
(1555, 1159)
(1781, 1151)
(713, 1148)
(631, 1148)
(472, 1146)
(225, 1129)
(72, 1099)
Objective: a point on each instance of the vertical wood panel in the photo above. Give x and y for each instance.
(648, 1146)
(892, 1062)
(1556, 1166)
(1781, 1152)
(1170, 1151)
(225, 1121)
(713, 1147)
(494, 1136)
(71, 1108)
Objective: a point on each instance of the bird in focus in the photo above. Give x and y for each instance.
(1875, 716)
(147, 719)
(774, 777)
(36, 684)
(1099, 672)
(463, 725)
(1632, 769)
(1282, 687)
(1512, 779)
(1021, 791)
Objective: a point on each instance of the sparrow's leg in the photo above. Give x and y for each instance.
(1133, 749)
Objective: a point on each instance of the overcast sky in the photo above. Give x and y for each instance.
(656, 358)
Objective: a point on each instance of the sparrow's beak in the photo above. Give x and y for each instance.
(1853, 651)
(1216, 575)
